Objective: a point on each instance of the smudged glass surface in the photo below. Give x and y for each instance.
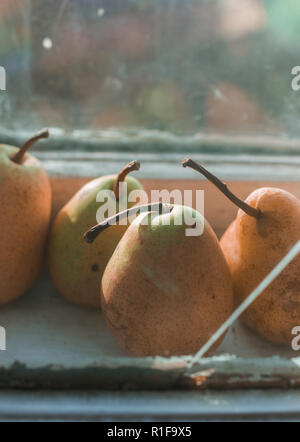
(182, 66)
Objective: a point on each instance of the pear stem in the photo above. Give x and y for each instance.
(19, 157)
(251, 211)
(92, 234)
(130, 167)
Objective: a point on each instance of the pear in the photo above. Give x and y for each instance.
(267, 226)
(76, 269)
(163, 292)
(25, 196)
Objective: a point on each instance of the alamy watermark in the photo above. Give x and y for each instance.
(2, 79)
(2, 339)
(188, 217)
(296, 340)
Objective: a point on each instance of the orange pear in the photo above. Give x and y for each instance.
(267, 226)
(25, 196)
(163, 292)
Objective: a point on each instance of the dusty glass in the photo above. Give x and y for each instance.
(181, 66)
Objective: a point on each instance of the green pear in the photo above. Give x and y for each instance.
(164, 292)
(76, 269)
(25, 196)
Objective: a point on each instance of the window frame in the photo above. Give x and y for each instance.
(89, 154)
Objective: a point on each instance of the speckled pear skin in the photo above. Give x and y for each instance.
(25, 197)
(76, 267)
(164, 293)
(252, 248)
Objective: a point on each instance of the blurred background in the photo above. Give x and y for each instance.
(183, 66)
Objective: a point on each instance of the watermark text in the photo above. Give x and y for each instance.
(2, 79)
(192, 219)
(2, 339)
(296, 340)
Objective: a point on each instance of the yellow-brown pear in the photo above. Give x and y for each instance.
(267, 226)
(76, 268)
(164, 292)
(25, 197)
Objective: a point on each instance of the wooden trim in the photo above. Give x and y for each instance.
(150, 406)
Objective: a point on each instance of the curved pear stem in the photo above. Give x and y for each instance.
(130, 167)
(251, 211)
(92, 234)
(19, 157)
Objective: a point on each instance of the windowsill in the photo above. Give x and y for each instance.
(160, 170)
(54, 344)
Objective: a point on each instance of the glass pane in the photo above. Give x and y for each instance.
(183, 66)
